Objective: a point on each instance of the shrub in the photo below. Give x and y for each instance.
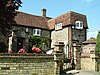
(98, 42)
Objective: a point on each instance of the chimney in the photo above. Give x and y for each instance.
(43, 12)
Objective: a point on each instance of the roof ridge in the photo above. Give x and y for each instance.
(32, 14)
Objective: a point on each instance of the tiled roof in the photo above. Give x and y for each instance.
(68, 18)
(31, 20)
(90, 41)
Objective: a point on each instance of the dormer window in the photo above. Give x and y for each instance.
(58, 26)
(79, 24)
(37, 32)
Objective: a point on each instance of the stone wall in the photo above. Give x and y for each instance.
(79, 35)
(88, 62)
(60, 36)
(28, 64)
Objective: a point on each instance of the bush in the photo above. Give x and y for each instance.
(98, 42)
(3, 47)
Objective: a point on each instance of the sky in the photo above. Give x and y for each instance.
(90, 8)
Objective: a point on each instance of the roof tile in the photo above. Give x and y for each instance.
(68, 18)
(31, 20)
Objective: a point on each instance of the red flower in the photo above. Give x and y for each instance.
(10, 51)
(36, 49)
(22, 50)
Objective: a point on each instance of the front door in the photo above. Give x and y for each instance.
(19, 43)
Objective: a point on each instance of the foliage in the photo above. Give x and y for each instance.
(3, 47)
(7, 13)
(98, 42)
(78, 49)
(37, 41)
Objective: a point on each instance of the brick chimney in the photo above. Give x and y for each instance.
(43, 12)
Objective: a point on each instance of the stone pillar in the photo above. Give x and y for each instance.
(58, 57)
(59, 47)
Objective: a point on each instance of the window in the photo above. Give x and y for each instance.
(58, 26)
(37, 32)
(79, 24)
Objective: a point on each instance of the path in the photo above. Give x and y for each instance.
(79, 72)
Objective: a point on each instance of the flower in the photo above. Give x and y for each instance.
(36, 49)
(10, 51)
(22, 50)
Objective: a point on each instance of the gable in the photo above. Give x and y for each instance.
(67, 19)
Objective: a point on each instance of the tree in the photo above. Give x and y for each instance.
(7, 13)
(98, 42)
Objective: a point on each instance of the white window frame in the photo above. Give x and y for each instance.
(58, 26)
(36, 32)
(78, 24)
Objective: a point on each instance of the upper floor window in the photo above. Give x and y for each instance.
(37, 32)
(58, 26)
(79, 24)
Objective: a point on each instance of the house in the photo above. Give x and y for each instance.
(27, 25)
(69, 28)
(89, 59)
(88, 46)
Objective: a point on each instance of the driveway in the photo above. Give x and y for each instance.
(87, 73)
(79, 72)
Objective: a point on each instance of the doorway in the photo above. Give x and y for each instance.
(20, 41)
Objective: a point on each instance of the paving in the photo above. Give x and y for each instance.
(79, 72)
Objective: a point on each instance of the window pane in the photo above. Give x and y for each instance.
(58, 26)
(77, 24)
(81, 25)
(38, 32)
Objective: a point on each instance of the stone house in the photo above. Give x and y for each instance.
(25, 26)
(69, 28)
(88, 46)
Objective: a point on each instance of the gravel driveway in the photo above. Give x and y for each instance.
(79, 72)
(87, 73)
